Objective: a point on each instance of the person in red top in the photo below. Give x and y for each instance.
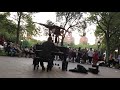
(95, 57)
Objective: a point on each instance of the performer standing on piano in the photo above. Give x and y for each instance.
(48, 47)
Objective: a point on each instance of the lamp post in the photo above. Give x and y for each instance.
(21, 43)
(116, 52)
(98, 45)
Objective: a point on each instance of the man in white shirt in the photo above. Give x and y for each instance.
(90, 55)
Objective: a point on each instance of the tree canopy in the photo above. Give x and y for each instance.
(108, 25)
(70, 21)
(21, 24)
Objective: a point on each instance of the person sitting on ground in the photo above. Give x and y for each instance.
(12, 50)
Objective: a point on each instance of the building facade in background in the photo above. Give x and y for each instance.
(69, 38)
(84, 39)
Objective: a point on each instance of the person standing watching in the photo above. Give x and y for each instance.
(90, 55)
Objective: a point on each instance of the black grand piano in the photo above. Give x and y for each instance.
(62, 52)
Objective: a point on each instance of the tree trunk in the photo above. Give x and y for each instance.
(118, 50)
(18, 28)
(62, 41)
(107, 49)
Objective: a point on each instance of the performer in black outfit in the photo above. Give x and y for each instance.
(47, 48)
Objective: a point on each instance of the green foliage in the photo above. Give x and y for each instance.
(7, 27)
(30, 26)
(114, 28)
(86, 46)
(25, 25)
(29, 43)
(108, 28)
(33, 41)
(25, 43)
(115, 41)
(71, 44)
(83, 46)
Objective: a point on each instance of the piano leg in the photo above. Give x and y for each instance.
(64, 65)
(50, 65)
(42, 65)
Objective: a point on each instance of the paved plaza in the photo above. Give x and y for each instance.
(15, 67)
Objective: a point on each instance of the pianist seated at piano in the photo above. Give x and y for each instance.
(48, 47)
(46, 53)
